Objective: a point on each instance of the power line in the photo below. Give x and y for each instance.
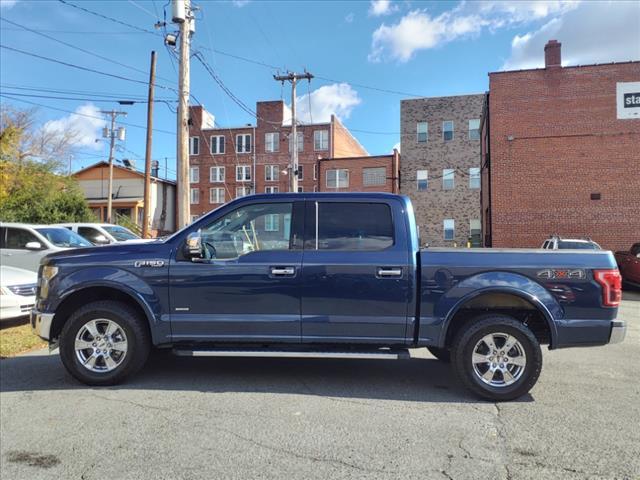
(79, 32)
(106, 17)
(107, 100)
(70, 45)
(76, 92)
(81, 114)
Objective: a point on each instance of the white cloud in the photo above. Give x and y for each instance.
(86, 122)
(596, 32)
(338, 98)
(349, 18)
(240, 3)
(7, 3)
(420, 30)
(378, 8)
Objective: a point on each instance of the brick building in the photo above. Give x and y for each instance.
(440, 168)
(378, 173)
(561, 154)
(230, 162)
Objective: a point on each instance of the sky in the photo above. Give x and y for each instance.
(366, 56)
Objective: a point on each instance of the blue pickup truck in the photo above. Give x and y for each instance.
(324, 275)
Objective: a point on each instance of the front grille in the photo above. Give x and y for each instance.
(24, 290)
(26, 308)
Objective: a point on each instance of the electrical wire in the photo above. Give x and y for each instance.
(106, 17)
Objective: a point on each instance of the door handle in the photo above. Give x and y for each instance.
(389, 272)
(283, 271)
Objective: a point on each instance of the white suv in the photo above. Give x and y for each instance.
(558, 243)
(17, 292)
(23, 245)
(101, 233)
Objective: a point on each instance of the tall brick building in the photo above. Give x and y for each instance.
(561, 154)
(226, 163)
(440, 167)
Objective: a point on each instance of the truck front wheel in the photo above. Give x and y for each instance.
(104, 342)
(497, 357)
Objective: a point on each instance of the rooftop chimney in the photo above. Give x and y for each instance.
(552, 54)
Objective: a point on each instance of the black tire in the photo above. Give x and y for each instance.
(472, 333)
(442, 354)
(126, 317)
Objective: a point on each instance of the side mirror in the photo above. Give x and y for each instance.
(33, 246)
(193, 246)
(101, 240)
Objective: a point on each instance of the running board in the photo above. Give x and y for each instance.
(269, 353)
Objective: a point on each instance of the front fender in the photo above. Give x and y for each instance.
(498, 282)
(122, 280)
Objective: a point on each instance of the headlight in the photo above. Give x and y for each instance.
(5, 291)
(48, 272)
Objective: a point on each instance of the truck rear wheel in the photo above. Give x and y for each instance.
(104, 342)
(497, 357)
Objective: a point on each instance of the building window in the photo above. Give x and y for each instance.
(271, 189)
(475, 232)
(243, 191)
(243, 173)
(271, 173)
(321, 140)
(300, 172)
(243, 143)
(272, 142)
(338, 178)
(422, 131)
(474, 178)
(217, 144)
(300, 136)
(315, 171)
(300, 189)
(216, 174)
(194, 174)
(272, 223)
(194, 145)
(474, 129)
(216, 195)
(195, 196)
(447, 130)
(449, 228)
(448, 179)
(422, 179)
(372, 177)
(194, 218)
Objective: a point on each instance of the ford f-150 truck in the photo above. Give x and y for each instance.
(324, 275)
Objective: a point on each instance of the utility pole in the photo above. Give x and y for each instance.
(183, 16)
(293, 166)
(147, 157)
(112, 133)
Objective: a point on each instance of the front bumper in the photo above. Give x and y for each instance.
(618, 331)
(41, 324)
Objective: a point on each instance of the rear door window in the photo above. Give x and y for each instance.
(17, 238)
(91, 234)
(351, 226)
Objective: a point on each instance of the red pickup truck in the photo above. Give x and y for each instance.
(629, 264)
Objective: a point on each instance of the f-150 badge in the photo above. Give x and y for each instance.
(148, 263)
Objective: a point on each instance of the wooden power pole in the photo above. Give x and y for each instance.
(293, 166)
(183, 16)
(147, 157)
(111, 133)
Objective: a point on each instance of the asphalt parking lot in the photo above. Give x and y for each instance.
(255, 418)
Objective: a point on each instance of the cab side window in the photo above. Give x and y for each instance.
(17, 238)
(91, 234)
(351, 226)
(251, 228)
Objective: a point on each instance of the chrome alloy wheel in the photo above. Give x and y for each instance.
(499, 359)
(101, 345)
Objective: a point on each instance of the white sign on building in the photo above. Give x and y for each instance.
(628, 100)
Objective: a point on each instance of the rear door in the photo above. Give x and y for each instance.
(355, 272)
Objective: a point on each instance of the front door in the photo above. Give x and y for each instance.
(248, 289)
(356, 273)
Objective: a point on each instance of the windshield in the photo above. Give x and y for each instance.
(61, 237)
(578, 245)
(120, 233)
